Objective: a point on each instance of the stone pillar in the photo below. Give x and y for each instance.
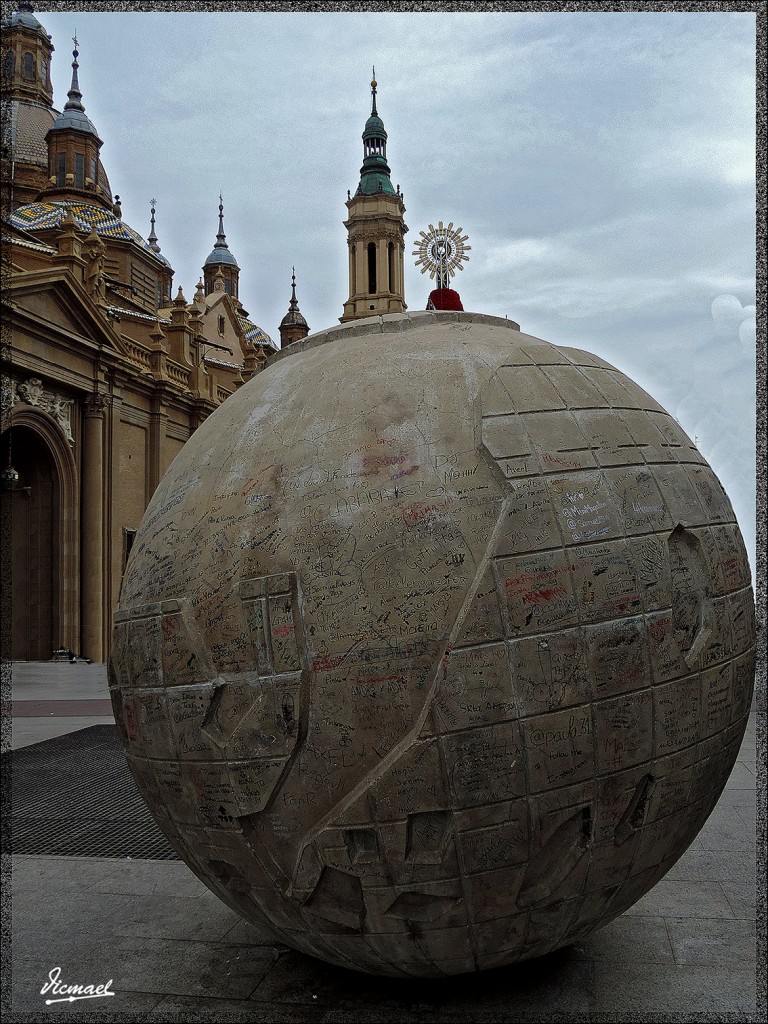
(352, 270)
(399, 269)
(362, 269)
(382, 255)
(92, 544)
(158, 420)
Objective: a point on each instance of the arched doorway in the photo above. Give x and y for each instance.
(33, 510)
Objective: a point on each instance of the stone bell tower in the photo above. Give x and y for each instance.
(375, 231)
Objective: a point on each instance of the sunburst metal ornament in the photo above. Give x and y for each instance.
(441, 251)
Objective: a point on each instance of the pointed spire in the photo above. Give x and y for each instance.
(373, 91)
(75, 96)
(73, 116)
(221, 238)
(294, 303)
(152, 236)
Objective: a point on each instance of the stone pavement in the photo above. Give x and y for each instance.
(173, 951)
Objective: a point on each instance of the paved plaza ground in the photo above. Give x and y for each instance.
(173, 951)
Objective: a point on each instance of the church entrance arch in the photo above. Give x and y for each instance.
(40, 510)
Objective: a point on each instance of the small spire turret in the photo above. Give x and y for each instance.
(222, 258)
(293, 326)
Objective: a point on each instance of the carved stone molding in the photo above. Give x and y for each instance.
(33, 392)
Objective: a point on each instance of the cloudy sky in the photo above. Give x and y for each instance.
(602, 164)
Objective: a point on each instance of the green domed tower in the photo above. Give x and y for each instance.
(375, 231)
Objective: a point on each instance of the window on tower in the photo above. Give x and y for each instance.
(79, 170)
(372, 267)
(61, 168)
(28, 67)
(9, 64)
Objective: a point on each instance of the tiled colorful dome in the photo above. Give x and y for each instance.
(48, 216)
(254, 334)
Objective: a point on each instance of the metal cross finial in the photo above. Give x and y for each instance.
(441, 251)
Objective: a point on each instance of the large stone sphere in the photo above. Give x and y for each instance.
(435, 647)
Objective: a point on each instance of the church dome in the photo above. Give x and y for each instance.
(255, 334)
(220, 252)
(24, 131)
(220, 255)
(71, 117)
(48, 216)
(293, 318)
(374, 128)
(24, 18)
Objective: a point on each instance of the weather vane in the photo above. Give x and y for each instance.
(441, 251)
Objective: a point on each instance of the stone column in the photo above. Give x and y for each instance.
(352, 270)
(92, 544)
(383, 284)
(362, 269)
(401, 264)
(158, 420)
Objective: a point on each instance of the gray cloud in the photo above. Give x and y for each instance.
(601, 163)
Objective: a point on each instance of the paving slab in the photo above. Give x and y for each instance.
(714, 942)
(711, 866)
(742, 896)
(683, 899)
(742, 777)
(26, 731)
(643, 939)
(724, 830)
(189, 1009)
(683, 992)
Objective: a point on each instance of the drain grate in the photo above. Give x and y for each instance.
(74, 796)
